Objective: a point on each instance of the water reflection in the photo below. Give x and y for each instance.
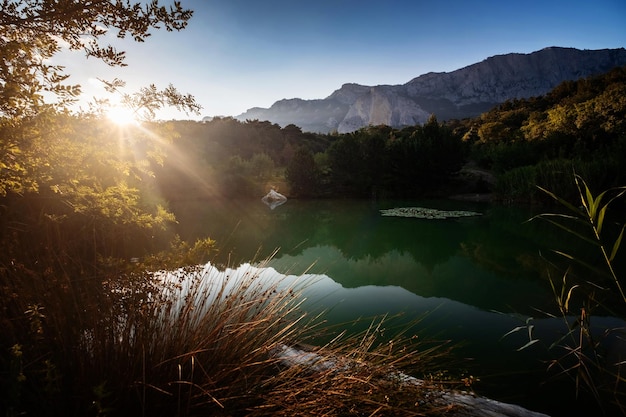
(505, 374)
(467, 279)
(458, 278)
(490, 262)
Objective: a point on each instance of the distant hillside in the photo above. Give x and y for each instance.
(466, 92)
(579, 126)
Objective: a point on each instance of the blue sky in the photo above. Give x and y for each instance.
(238, 54)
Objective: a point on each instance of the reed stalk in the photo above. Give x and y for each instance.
(189, 341)
(591, 285)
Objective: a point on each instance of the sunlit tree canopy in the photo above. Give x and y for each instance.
(33, 31)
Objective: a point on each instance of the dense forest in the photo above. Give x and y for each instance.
(225, 157)
(579, 127)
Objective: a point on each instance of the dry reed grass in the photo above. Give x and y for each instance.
(195, 341)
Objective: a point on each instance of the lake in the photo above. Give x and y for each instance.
(470, 280)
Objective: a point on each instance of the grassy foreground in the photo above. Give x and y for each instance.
(195, 341)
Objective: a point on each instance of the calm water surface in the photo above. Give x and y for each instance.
(471, 280)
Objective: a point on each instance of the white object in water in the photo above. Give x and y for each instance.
(274, 199)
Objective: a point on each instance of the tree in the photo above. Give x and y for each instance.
(374, 154)
(345, 157)
(77, 200)
(56, 167)
(33, 31)
(303, 174)
(261, 165)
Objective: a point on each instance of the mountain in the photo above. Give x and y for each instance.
(466, 92)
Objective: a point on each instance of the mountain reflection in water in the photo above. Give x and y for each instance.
(469, 280)
(491, 262)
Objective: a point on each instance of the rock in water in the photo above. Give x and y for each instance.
(274, 199)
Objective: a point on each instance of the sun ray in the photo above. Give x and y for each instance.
(121, 115)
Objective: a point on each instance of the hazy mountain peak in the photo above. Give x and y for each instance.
(465, 92)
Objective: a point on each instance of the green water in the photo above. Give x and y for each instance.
(470, 280)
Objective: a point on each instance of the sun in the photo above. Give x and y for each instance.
(121, 116)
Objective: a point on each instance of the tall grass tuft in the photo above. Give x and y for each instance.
(591, 284)
(190, 341)
(359, 375)
(139, 343)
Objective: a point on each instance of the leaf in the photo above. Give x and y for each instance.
(617, 244)
(515, 330)
(561, 339)
(618, 195)
(546, 217)
(563, 254)
(600, 219)
(530, 343)
(560, 200)
(590, 202)
(587, 265)
(569, 296)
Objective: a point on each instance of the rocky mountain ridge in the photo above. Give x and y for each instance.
(466, 92)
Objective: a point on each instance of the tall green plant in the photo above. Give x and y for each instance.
(591, 215)
(592, 284)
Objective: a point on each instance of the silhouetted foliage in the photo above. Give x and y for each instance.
(380, 160)
(303, 174)
(373, 161)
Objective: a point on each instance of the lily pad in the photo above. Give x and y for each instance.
(428, 213)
